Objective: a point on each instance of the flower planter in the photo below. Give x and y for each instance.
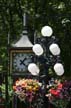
(27, 91)
(60, 94)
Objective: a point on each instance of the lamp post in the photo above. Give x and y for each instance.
(48, 51)
(48, 55)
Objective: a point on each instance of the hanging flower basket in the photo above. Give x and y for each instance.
(27, 89)
(59, 94)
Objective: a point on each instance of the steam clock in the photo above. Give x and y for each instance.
(21, 54)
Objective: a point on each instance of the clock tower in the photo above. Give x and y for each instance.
(21, 53)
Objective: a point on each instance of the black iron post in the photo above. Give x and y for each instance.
(46, 60)
(6, 88)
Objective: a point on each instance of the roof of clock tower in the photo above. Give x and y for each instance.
(24, 40)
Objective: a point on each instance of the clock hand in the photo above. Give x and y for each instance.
(22, 61)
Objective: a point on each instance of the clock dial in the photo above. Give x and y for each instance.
(21, 61)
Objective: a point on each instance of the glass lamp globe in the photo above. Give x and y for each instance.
(46, 31)
(58, 68)
(54, 49)
(33, 69)
(37, 49)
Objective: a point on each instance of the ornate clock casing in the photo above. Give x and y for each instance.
(20, 59)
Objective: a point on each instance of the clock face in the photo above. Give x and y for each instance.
(20, 61)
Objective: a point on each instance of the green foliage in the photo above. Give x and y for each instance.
(10, 90)
(56, 13)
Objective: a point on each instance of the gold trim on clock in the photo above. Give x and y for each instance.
(19, 61)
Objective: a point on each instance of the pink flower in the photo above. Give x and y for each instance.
(60, 86)
(54, 92)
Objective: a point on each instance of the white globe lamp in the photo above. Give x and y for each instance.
(37, 49)
(59, 69)
(54, 49)
(46, 31)
(33, 69)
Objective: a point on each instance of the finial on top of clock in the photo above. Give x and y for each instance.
(24, 23)
(24, 19)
